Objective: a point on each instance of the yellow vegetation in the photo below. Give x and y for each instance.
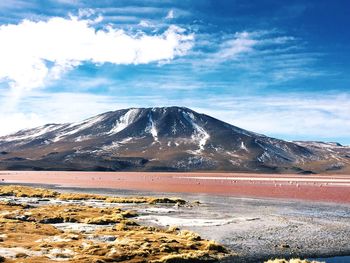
(79, 196)
(32, 233)
(51, 214)
(24, 191)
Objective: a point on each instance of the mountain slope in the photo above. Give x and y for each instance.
(163, 139)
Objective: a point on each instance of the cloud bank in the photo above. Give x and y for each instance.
(34, 52)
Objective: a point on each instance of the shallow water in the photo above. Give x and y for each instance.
(345, 259)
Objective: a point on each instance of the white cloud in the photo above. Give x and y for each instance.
(15, 4)
(290, 116)
(15, 121)
(170, 15)
(34, 52)
(42, 108)
(248, 43)
(145, 23)
(132, 10)
(241, 43)
(257, 58)
(85, 12)
(66, 2)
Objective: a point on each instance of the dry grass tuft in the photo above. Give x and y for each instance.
(24, 191)
(79, 196)
(53, 214)
(189, 235)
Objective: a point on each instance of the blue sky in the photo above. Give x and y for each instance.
(274, 67)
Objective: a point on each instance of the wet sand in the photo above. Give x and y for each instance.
(324, 188)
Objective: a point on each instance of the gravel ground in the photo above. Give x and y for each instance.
(274, 228)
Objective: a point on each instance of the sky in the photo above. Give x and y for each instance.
(280, 68)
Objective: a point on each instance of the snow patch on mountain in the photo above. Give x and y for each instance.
(77, 127)
(173, 128)
(32, 133)
(322, 145)
(152, 129)
(243, 147)
(83, 138)
(200, 134)
(124, 121)
(116, 145)
(264, 157)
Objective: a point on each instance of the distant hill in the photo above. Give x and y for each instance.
(164, 139)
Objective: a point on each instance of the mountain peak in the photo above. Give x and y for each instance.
(160, 138)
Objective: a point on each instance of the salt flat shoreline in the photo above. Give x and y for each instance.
(256, 228)
(320, 188)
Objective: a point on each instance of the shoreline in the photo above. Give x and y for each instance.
(315, 188)
(142, 192)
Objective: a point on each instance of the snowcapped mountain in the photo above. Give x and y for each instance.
(163, 139)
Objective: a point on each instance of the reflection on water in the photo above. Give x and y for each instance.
(345, 259)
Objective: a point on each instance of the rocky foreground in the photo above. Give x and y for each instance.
(57, 228)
